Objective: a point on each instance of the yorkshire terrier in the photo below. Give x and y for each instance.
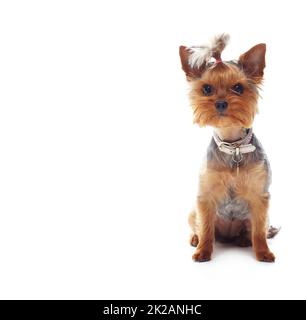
(233, 197)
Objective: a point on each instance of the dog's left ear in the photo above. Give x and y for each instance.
(253, 61)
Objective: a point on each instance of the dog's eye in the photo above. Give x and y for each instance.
(207, 89)
(238, 88)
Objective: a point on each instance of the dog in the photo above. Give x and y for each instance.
(233, 196)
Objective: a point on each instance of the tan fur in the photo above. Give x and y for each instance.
(222, 77)
(214, 185)
(216, 179)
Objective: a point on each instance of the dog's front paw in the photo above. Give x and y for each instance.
(202, 256)
(265, 256)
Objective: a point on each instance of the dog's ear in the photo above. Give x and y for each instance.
(253, 61)
(192, 72)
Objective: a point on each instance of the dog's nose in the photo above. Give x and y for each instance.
(221, 105)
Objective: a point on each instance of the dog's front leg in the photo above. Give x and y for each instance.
(212, 189)
(252, 188)
(259, 208)
(206, 211)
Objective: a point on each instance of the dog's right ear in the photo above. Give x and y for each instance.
(192, 72)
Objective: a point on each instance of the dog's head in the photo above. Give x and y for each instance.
(223, 93)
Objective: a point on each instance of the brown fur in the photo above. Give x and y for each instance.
(214, 186)
(216, 179)
(223, 77)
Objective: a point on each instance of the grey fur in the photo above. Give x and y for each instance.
(233, 207)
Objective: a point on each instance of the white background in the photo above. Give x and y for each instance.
(99, 157)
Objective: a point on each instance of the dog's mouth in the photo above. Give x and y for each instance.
(221, 115)
(223, 119)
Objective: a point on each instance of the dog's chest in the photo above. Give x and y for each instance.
(233, 208)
